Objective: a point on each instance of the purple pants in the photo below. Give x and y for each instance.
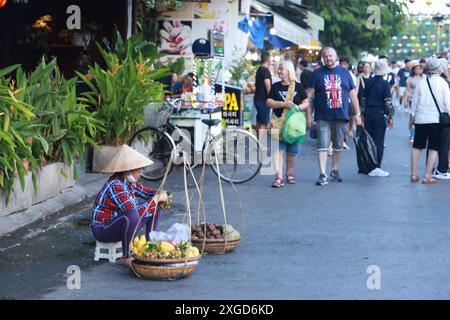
(122, 228)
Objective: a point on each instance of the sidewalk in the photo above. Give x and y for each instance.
(86, 187)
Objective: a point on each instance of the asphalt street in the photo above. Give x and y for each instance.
(299, 242)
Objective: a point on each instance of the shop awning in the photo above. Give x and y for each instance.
(292, 22)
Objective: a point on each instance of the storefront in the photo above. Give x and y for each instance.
(64, 29)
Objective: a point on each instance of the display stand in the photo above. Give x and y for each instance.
(205, 102)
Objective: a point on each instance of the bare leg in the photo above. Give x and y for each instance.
(336, 158)
(322, 157)
(290, 163)
(432, 157)
(278, 163)
(415, 157)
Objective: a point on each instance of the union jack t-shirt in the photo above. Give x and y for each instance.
(331, 98)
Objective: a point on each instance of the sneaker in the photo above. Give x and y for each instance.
(335, 176)
(323, 180)
(378, 172)
(441, 176)
(448, 171)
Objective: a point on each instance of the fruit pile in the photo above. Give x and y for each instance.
(168, 204)
(214, 231)
(162, 250)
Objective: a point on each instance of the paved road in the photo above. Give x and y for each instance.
(300, 242)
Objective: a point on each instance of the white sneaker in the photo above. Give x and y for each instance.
(441, 176)
(378, 172)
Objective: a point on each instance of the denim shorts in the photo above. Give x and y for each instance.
(282, 146)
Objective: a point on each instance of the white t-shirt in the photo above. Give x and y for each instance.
(423, 106)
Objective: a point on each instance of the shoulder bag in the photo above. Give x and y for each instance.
(444, 118)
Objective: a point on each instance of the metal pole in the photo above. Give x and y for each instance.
(439, 39)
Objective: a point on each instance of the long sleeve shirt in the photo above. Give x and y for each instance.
(118, 195)
(423, 107)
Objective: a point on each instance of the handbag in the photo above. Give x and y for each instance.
(276, 124)
(444, 117)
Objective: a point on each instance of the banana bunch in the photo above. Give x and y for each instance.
(139, 245)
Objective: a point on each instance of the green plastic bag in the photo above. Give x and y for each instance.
(294, 129)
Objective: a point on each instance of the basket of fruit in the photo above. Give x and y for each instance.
(163, 260)
(215, 238)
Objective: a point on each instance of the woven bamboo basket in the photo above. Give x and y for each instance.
(161, 272)
(151, 261)
(217, 246)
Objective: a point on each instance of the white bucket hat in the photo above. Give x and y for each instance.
(433, 66)
(381, 67)
(127, 159)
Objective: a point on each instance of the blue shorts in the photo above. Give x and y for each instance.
(262, 112)
(291, 149)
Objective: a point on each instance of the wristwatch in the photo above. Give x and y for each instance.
(358, 114)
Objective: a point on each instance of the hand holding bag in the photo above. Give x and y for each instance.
(276, 124)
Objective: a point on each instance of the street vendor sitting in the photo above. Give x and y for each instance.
(116, 213)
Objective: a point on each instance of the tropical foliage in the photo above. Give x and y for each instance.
(41, 121)
(121, 90)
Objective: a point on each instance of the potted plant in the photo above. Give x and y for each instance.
(121, 91)
(49, 128)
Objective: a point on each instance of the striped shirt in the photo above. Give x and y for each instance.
(118, 195)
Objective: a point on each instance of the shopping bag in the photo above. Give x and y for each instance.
(313, 131)
(294, 128)
(366, 151)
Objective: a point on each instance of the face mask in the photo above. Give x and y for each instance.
(131, 178)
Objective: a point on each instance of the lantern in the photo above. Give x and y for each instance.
(448, 4)
(3, 3)
(440, 25)
(429, 2)
(405, 37)
(412, 1)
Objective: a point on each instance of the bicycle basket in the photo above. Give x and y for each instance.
(156, 115)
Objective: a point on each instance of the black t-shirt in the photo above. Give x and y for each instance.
(305, 78)
(260, 87)
(403, 75)
(279, 92)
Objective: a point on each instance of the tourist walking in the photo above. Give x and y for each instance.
(376, 119)
(263, 83)
(432, 94)
(283, 95)
(411, 84)
(331, 87)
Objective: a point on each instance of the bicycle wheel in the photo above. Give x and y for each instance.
(157, 146)
(239, 155)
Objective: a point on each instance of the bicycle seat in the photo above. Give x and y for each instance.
(211, 122)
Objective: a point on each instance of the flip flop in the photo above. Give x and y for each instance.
(429, 180)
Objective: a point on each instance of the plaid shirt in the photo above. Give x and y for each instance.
(118, 195)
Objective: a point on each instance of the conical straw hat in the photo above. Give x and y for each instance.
(126, 159)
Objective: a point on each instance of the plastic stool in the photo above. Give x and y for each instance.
(108, 250)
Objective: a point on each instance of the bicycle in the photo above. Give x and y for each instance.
(238, 150)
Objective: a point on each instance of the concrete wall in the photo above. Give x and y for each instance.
(50, 183)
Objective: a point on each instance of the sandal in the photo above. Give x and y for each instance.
(414, 178)
(278, 183)
(429, 180)
(290, 178)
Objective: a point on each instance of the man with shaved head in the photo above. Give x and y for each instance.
(330, 89)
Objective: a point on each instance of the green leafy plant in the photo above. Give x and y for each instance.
(121, 90)
(41, 120)
(16, 153)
